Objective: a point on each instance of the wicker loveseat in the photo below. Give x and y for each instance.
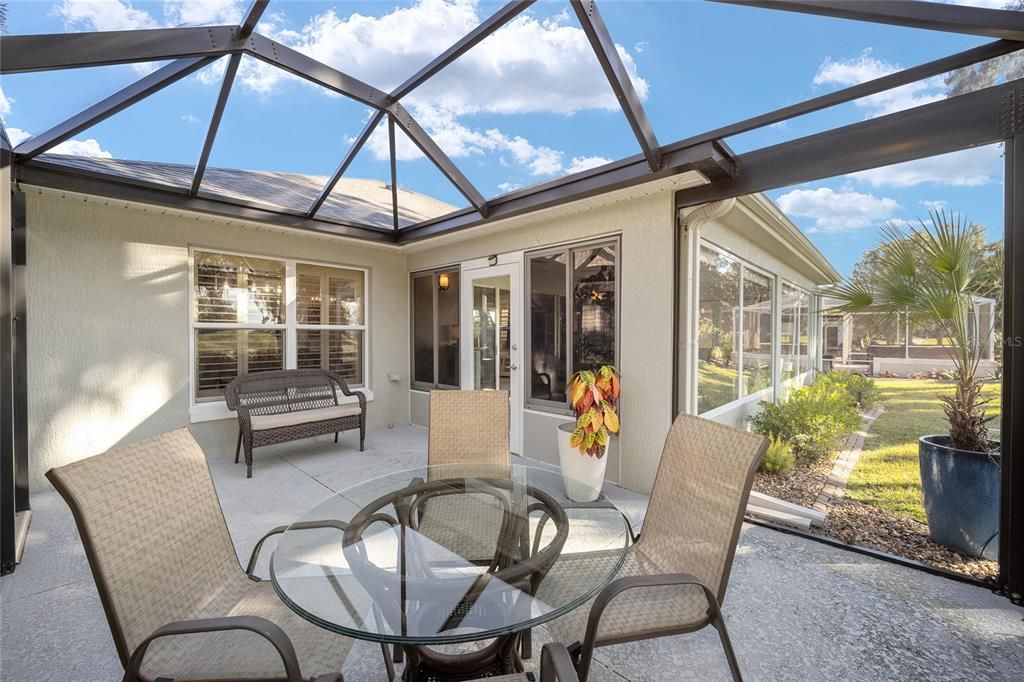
(291, 404)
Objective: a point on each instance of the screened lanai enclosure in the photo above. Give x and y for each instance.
(669, 260)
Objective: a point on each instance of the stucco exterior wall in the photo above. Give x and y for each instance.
(108, 327)
(645, 271)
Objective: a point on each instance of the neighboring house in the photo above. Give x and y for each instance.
(140, 314)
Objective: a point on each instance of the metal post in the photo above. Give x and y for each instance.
(1011, 536)
(8, 545)
(20, 351)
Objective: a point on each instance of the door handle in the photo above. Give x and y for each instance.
(513, 366)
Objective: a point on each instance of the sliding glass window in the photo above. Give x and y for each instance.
(435, 329)
(573, 317)
(796, 331)
(735, 330)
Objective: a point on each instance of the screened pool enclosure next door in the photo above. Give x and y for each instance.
(492, 325)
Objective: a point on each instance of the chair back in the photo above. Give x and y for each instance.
(699, 498)
(153, 531)
(284, 390)
(470, 429)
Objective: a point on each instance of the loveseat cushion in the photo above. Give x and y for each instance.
(263, 422)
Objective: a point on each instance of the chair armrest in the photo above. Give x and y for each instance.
(261, 626)
(343, 385)
(250, 568)
(556, 664)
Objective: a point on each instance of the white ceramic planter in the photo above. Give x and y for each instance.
(582, 475)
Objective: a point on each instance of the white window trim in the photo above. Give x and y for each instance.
(742, 397)
(217, 409)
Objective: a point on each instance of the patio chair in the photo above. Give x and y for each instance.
(555, 666)
(177, 601)
(674, 577)
(469, 437)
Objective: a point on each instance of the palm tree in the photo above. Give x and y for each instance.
(931, 273)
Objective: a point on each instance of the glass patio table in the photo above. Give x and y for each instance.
(438, 556)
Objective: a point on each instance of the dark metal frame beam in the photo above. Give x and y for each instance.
(252, 17)
(394, 172)
(611, 63)
(218, 112)
(1011, 540)
(470, 40)
(941, 127)
(8, 508)
(53, 175)
(104, 109)
(404, 120)
(360, 141)
(994, 23)
(28, 53)
(712, 159)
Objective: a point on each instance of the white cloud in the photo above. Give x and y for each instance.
(87, 147)
(203, 12)
(936, 205)
(582, 163)
(190, 118)
(505, 187)
(5, 104)
(966, 168)
(834, 211)
(530, 65)
(17, 135)
(103, 15)
(641, 46)
(844, 73)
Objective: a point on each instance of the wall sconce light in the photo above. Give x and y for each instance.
(442, 281)
(492, 260)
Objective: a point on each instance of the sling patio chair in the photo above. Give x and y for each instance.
(674, 577)
(468, 438)
(177, 601)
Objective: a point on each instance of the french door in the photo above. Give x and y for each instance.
(492, 328)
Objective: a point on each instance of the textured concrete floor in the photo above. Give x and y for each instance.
(797, 609)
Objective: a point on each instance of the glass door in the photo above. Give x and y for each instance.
(491, 325)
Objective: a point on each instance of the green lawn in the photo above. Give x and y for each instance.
(887, 474)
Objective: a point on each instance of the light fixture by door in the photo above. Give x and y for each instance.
(442, 281)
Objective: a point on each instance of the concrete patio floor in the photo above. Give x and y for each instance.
(796, 609)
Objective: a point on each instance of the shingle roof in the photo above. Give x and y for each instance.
(364, 202)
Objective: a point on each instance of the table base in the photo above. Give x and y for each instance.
(500, 657)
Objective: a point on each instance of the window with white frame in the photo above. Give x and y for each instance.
(252, 314)
(795, 331)
(572, 317)
(735, 355)
(435, 329)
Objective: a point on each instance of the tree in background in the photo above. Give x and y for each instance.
(992, 72)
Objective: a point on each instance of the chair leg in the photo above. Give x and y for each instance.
(248, 460)
(362, 434)
(238, 445)
(526, 645)
(388, 665)
(399, 655)
(335, 436)
(723, 634)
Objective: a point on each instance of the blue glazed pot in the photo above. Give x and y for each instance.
(961, 496)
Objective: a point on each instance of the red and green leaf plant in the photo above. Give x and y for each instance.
(594, 396)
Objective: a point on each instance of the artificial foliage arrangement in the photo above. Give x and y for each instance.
(594, 396)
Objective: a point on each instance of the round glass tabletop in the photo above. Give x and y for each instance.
(448, 554)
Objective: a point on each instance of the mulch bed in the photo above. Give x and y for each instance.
(856, 523)
(860, 524)
(800, 485)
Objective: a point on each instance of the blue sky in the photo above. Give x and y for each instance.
(528, 104)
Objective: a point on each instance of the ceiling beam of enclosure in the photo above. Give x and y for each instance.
(193, 48)
(979, 21)
(604, 47)
(104, 109)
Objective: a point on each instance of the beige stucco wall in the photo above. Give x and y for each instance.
(108, 328)
(645, 347)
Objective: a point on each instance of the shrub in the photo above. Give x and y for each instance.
(861, 389)
(812, 421)
(777, 458)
